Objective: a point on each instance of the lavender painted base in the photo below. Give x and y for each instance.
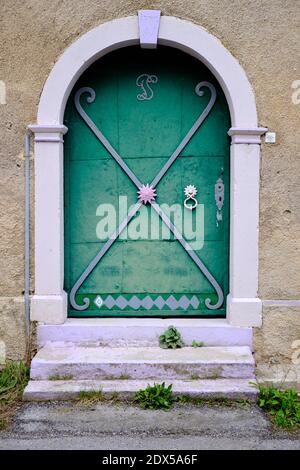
(133, 332)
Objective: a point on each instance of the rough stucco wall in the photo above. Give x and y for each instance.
(262, 34)
(277, 345)
(12, 328)
(274, 342)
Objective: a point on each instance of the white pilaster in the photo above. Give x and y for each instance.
(49, 302)
(243, 306)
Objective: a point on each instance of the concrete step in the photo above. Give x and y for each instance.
(43, 390)
(89, 361)
(142, 332)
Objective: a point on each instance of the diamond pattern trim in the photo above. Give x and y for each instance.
(184, 302)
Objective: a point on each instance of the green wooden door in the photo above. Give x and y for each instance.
(144, 103)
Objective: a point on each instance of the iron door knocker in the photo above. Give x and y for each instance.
(190, 192)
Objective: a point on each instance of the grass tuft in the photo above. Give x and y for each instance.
(90, 397)
(283, 406)
(13, 379)
(197, 344)
(60, 377)
(218, 401)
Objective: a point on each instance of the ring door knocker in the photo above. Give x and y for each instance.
(146, 194)
(190, 192)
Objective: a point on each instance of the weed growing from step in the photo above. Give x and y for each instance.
(124, 377)
(60, 377)
(219, 401)
(13, 379)
(171, 339)
(90, 397)
(156, 397)
(197, 344)
(283, 406)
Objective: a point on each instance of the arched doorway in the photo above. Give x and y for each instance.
(50, 301)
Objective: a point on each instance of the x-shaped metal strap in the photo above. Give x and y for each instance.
(138, 184)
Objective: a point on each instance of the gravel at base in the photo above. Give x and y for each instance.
(107, 426)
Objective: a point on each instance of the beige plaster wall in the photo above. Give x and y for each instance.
(277, 345)
(264, 35)
(12, 329)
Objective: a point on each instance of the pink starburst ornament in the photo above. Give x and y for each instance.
(146, 193)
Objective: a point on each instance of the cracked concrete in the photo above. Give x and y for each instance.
(104, 426)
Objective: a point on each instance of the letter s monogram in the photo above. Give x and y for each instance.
(144, 81)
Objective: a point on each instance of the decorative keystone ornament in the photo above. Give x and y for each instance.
(146, 193)
(190, 192)
(148, 27)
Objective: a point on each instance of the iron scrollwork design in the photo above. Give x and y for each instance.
(90, 99)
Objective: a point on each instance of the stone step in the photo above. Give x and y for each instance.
(116, 332)
(42, 390)
(87, 361)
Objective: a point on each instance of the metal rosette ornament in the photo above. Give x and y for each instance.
(146, 194)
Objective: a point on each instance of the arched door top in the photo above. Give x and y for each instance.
(173, 32)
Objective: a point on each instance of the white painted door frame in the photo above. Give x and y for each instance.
(49, 304)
